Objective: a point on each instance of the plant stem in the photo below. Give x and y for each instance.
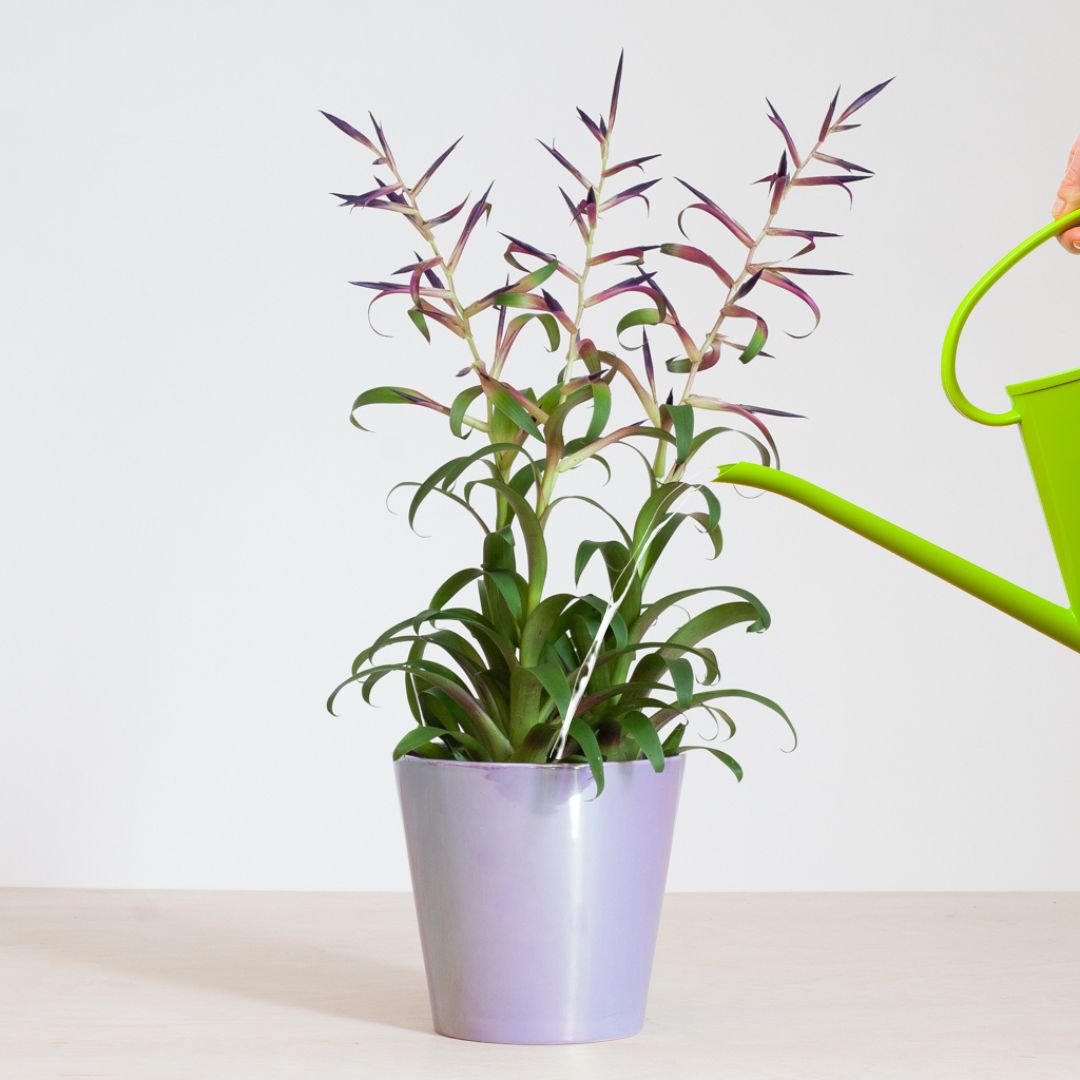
(590, 239)
(547, 484)
(748, 268)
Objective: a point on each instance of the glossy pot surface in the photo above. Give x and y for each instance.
(538, 903)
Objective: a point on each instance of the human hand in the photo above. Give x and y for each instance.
(1069, 199)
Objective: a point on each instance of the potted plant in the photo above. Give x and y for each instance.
(540, 778)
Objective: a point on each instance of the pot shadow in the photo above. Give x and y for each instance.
(227, 956)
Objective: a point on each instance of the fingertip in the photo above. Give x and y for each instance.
(1070, 240)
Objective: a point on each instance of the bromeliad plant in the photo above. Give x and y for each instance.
(523, 674)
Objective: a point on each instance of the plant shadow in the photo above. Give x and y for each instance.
(228, 954)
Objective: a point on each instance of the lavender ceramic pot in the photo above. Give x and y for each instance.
(538, 904)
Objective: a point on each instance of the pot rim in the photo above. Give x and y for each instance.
(547, 765)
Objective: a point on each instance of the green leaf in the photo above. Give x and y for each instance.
(674, 739)
(682, 676)
(601, 396)
(422, 736)
(452, 586)
(383, 395)
(657, 608)
(531, 529)
(682, 418)
(460, 406)
(727, 759)
(511, 408)
(585, 737)
(551, 328)
(551, 676)
(510, 586)
(644, 734)
(538, 626)
(447, 473)
(754, 346)
(713, 695)
(418, 320)
(536, 278)
(586, 550)
(638, 317)
(713, 620)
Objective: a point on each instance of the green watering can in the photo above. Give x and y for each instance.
(1048, 412)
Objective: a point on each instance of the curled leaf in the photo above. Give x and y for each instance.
(635, 192)
(713, 210)
(782, 282)
(632, 163)
(696, 255)
(761, 330)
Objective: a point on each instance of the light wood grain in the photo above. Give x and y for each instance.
(164, 985)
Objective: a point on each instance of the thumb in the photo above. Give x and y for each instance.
(1068, 199)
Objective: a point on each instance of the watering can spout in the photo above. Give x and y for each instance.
(1054, 620)
(1048, 414)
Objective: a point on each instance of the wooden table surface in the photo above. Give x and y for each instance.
(231, 986)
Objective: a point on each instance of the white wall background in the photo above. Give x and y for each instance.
(194, 540)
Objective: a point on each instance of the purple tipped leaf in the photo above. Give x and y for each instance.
(831, 181)
(635, 192)
(778, 189)
(715, 404)
(416, 277)
(352, 132)
(615, 92)
(809, 235)
(634, 255)
(589, 208)
(862, 99)
(827, 122)
(367, 197)
(775, 118)
(646, 355)
(449, 215)
(812, 270)
(764, 411)
(632, 285)
(419, 185)
(478, 211)
(633, 163)
(781, 282)
(575, 212)
(747, 286)
(591, 124)
(388, 157)
(713, 210)
(557, 310)
(840, 163)
(520, 247)
(695, 255)
(567, 165)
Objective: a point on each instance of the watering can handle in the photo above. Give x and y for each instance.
(978, 291)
